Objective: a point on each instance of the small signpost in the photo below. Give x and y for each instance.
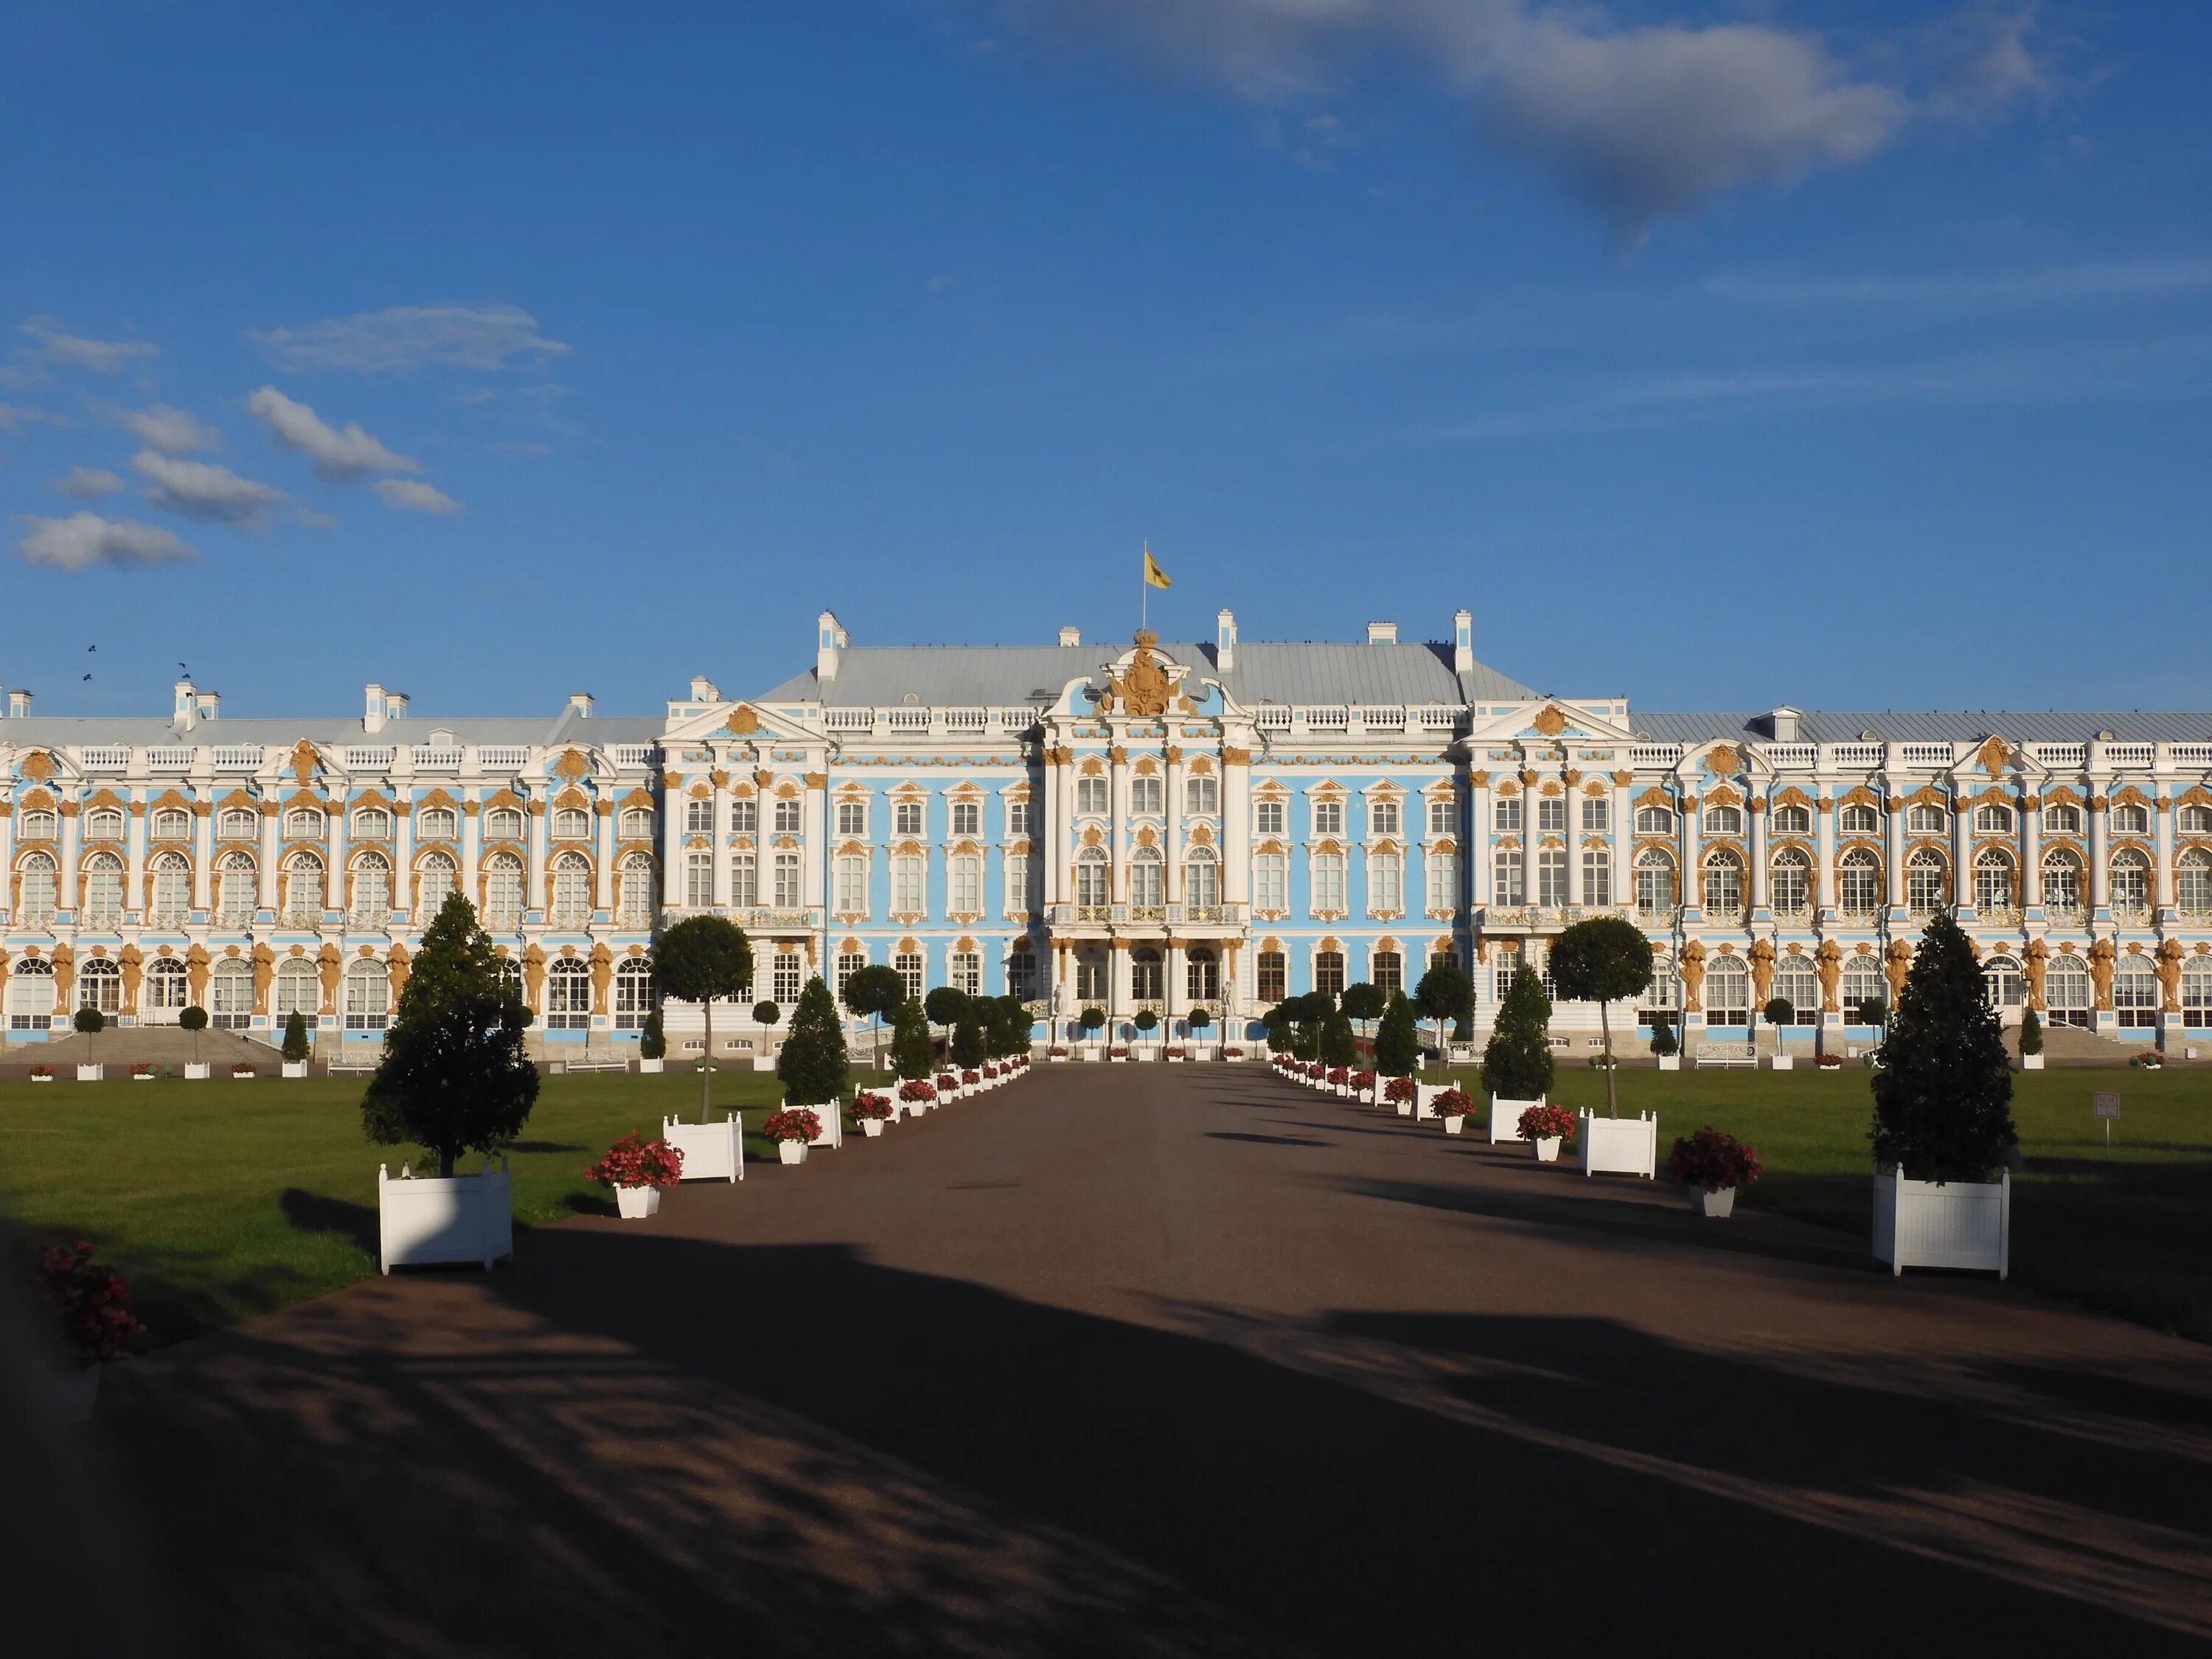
(2108, 1107)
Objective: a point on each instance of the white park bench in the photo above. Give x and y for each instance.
(1727, 1053)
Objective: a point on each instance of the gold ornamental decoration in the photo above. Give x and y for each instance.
(1551, 721)
(1145, 689)
(744, 721)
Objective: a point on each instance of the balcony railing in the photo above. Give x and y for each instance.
(170, 758)
(105, 757)
(369, 757)
(1859, 754)
(1547, 915)
(503, 757)
(238, 757)
(805, 918)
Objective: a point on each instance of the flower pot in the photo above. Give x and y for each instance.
(1618, 1145)
(2031, 1062)
(90, 1073)
(636, 1203)
(196, 1071)
(1670, 1062)
(791, 1152)
(47, 1078)
(1456, 1124)
(1959, 1224)
(1548, 1149)
(872, 1126)
(1785, 1061)
(439, 1219)
(142, 1077)
(296, 1068)
(651, 1067)
(1718, 1204)
(1405, 1109)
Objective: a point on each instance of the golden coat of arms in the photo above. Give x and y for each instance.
(1145, 689)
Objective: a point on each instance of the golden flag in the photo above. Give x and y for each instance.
(1153, 575)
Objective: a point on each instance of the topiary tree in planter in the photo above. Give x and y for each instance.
(1092, 1021)
(913, 1054)
(813, 1064)
(651, 1039)
(1663, 1035)
(453, 1078)
(704, 959)
(89, 1022)
(1363, 1001)
(1338, 1046)
(1943, 1101)
(766, 1013)
(873, 992)
(1007, 1028)
(944, 1004)
(1146, 1022)
(296, 1046)
(1516, 1063)
(1442, 994)
(1604, 960)
(968, 1049)
(1779, 1010)
(1398, 1045)
(1200, 1021)
(193, 1019)
(2031, 1033)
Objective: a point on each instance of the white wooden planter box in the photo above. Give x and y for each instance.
(712, 1151)
(1619, 1145)
(91, 1074)
(650, 1067)
(636, 1203)
(1145, 1054)
(1959, 1224)
(142, 1077)
(833, 1124)
(873, 1126)
(435, 1218)
(296, 1068)
(1670, 1062)
(791, 1152)
(2031, 1062)
(38, 1077)
(1784, 1060)
(1506, 1117)
(763, 1062)
(1425, 1107)
(197, 1071)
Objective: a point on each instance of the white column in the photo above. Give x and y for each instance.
(1824, 831)
(724, 844)
(535, 826)
(603, 895)
(2101, 875)
(471, 850)
(2162, 827)
(1895, 861)
(1760, 897)
(2031, 857)
(1117, 772)
(672, 855)
(1962, 852)
(1236, 833)
(72, 850)
(1624, 847)
(7, 890)
(1692, 831)
(1527, 841)
(334, 885)
(1573, 837)
(1478, 845)
(272, 845)
(813, 835)
(203, 848)
(1172, 825)
(1052, 840)
(403, 857)
(134, 856)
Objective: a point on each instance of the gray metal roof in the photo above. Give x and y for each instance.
(61, 731)
(961, 675)
(1934, 726)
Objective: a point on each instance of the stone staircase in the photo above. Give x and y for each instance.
(121, 1047)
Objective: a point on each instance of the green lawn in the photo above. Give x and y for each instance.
(220, 1200)
(2130, 1230)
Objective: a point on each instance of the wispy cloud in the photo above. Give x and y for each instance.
(85, 538)
(2094, 281)
(405, 338)
(101, 356)
(174, 431)
(337, 452)
(412, 495)
(14, 417)
(88, 484)
(199, 490)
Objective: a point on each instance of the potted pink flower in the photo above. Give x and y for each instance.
(1363, 1082)
(638, 1170)
(1454, 1106)
(42, 1073)
(917, 1095)
(874, 1111)
(1712, 1164)
(142, 1071)
(792, 1129)
(1547, 1127)
(1404, 1093)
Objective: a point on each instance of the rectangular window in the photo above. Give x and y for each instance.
(1329, 818)
(1201, 797)
(1019, 822)
(744, 881)
(908, 963)
(852, 818)
(1443, 816)
(1597, 876)
(849, 963)
(906, 818)
(966, 874)
(907, 872)
(967, 818)
(1091, 797)
(1551, 876)
(1386, 883)
(1507, 884)
(1443, 869)
(784, 985)
(1328, 973)
(1551, 814)
(1017, 884)
(968, 972)
(698, 880)
(852, 885)
(1272, 983)
(1271, 885)
(1328, 883)
(1383, 817)
(788, 808)
(1386, 969)
(745, 816)
(787, 882)
(1597, 815)
(1267, 817)
(1505, 815)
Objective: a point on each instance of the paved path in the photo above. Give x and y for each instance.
(1168, 1360)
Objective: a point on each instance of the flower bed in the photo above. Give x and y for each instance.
(1117, 1053)
(1232, 1054)
(946, 1083)
(1056, 1052)
(1175, 1053)
(94, 1302)
(634, 1161)
(42, 1074)
(1829, 1062)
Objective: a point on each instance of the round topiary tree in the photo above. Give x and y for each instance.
(1363, 1001)
(1200, 1021)
(813, 1064)
(1006, 1027)
(1146, 1022)
(913, 1054)
(1516, 1063)
(89, 1022)
(1604, 960)
(766, 1013)
(944, 1004)
(704, 959)
(873, 992)
(1942, 1100)
(1091, 1020)
(1779, 1010)
(1442, 994)
(193, 1019)
(1398, 1045)
(296, 1046)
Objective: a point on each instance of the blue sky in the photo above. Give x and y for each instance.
(1718, 355)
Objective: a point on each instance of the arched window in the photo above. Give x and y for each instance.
(1201, 796)
(1792, 889)
(1146, 873)
(1091, 892)
(1858, 883)
(1328, 972)
(636, 996)
(230, 995)
(2062, 887)
(851, 890)
(568, 995)
(1723, 820)
(1201, 880)
(1090, 976)
(1662, 995)
(1147, 796)
(502, 880)
(38, 823)
(1326, 875)
(510, 978)
(1793, 821)
(170, 823)
(172, 896)
(2130, 885)
(40, 891)
(1927, 819)
(637, 824)
(1386, 970)
(304, 823)
(1795, 983)
(1863, 983)
(372, 823)
(1656, 893)
(435, 879)
(372, 891)
(237, 823)
(1723, 885)
(1654, 821)
(1727, 992)
(303, 890)
(571, 890)
(909, 873)
(744, 880)
(2196, 994)
(367, 1000)
(167, 986)
(103, 891)
(502, 823)
(1857, 819)
(299, 991)
(2192, 820)
(235, 895)
(1992, 819)
(2002, 982)
(2066, 990)
(1995, 892)
(1597, 876)
(1927, 882)
(2193, 884)
(1386, 883)
(100, 985)
(635, 894)
(2062, 820)
(440, 823)
(2130, 819)
(1202, 974)
(1271, 977)
(2135, 994)
(105, 825)
(1147, 981)
(31, 995)
(572, 823)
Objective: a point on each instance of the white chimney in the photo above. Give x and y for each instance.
(704, 689)
(1462, 642)
(371, 712)
(184, 707)
(395, 705)
(1382, 633)
(1225, 641)
(210, 704)
(1071, 636)
(580, 703)
(829, 640)
(1785, 724)
(19, 705)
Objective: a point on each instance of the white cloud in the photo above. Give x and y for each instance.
(2093, 282)
(101, 356)
(409, 337)
(86, 538)
(337, 453)
(14, 417)
(173, 431)
(88, 484)
(412, 495)
(199, 490)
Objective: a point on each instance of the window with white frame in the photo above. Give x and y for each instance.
(2134, 994)
(436, 878)
(1996, 893)
(169, 989)
(1509, 885)
(635, 995)
(1271, 885)
(852, 818)
(2193, 820)
(1022, 978)
(103, 891)
(633, 894)
(2196, 994)
(1383, 817)
(235, 898)
(1386, 883)
(1201, 879)
(1727, 992)
(1327, 878)
(1723, 820)
(230, 995)
(39, 890)
(100, 985)
(1655, 888)
(372, 891)
(1926, 818)
(1992, 818)
(698, 816)
(1654, 821)
(31, 995)
(1858, 883)
(1441, 870)
(170, 824)
(744, 879)
(2002, 982)
(1147, 976)
(1328, 973)
(1017, 884)
(1092, 797)
(1927, 883)
(1551, 875)
(303, 890)
(1797, 984)
(2130, 819)
(104, 824)
(2062, 820)
(967, 818)
(1386, 971)
(744, 815)
(908, 875)
(1147, 873)
(967, 969)
(906, 818)
(304, 823)
(1861, 983)
(964, 879)
(503, 891)
(1551, 814)
(1791, 890)
(788, 811)
(907, 964)
(1272, 976)
(1093, 879)
(1147, 795)
(1021, 819)
(2066, 991)
(37, 823)
(637, 824)
(572, 891)
(849, 963)
(1443, 815)
(1723, 885)
(852, 872)
(2062, 887)
(503, 823)
(1597, 876)
(1329, 818)
(1662, 995)
(783, 983)
(509, 972)
(2130, 884)
(1505, 815)
(1267, 817)
(172, 897)
(1597, 815)
(1793, 820)
(786, 893)
(698, 879)
(572, 823)
(1201, 796)
(439, 823)
(568, 995)
(1857, 819)
(372, 823)
(366, 1005)
(2192, 886)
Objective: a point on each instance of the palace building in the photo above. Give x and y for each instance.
(1169, 826)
